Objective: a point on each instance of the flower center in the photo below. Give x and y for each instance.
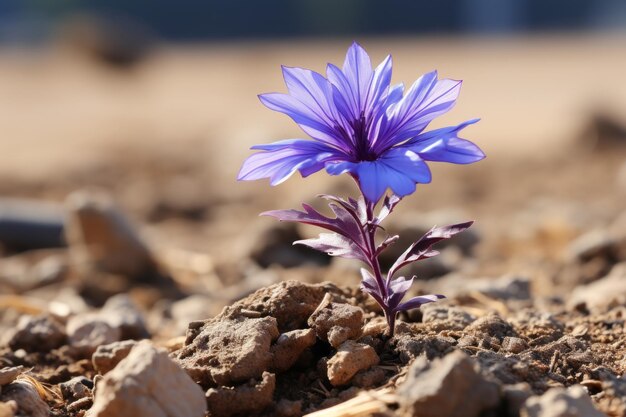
(362, 151)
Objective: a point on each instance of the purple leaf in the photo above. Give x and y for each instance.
(397, 290)
(389, 203)
(370, 286)
(335, 244)
(421, 249)
(349, 240)
(415, 302)
(389, 241)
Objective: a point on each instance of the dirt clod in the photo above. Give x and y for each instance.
(337, 323)
(449, 387)
(250, 398)
(229, 352)
(351, 357)
(289, 346)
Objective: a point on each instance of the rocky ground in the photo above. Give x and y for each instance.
(165, 295)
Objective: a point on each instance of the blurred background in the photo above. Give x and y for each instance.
(143, 111)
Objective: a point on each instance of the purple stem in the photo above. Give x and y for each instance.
(373, 257)
(370, 234)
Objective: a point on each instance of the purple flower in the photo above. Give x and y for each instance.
(363, 126)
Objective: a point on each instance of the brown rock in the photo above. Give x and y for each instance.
(122, 313)
(75, 389)
(337, 323)
(561, 402)
(605, 292)
(29, 403)
(289, 346)
(106, 357)
(147, 383)
(450, 387)
(351, 357)
(88, 331)
(229, 352)
(514, 344)
(8, 375)
(103, 239)
(37, 334)
(246, 399)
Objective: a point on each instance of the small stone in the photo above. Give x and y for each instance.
(106, 357)
(102, 238)
(29, 403)
(229, 352)
(561, 402)
(514, 344)
(369, 378)
(122, 313)
(605, 292)
(289, 346)
(147, 383)
(75, 389)
(375, 327)
(88, 331)
(492, 325)
(8, 375)
(351, 357)
(337, 323)
(37, 334)
(450, 387)
(246, 399)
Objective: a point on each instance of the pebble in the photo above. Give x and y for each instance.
(29, 403)
(561, 402)
(106, 357)
(147, 383)
(605, 292)
(88, 331)
(101, 237)
(37, 334)
(122, 313)
(8, 375)
(75, 389)
(351, 357)
(450, 387)
(514, 344)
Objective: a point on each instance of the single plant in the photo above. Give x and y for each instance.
(363, 126)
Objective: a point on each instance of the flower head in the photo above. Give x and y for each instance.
(362, 125)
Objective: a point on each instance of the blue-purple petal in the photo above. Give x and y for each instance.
(426, 99)
(278, 161)
(444, 145)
